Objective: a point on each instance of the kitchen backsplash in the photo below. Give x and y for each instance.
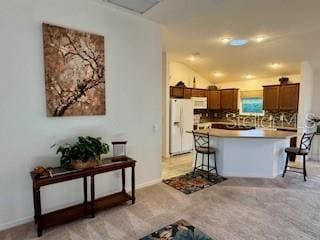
(271, 119)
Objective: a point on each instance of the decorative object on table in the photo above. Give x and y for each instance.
(74, 72)
(181, 84)
(181, 230)
(191, 183)
(194, 82)
(40, 171)
(315, 121)
(119, 150)
(283, 80)
(85, 153)
(212, 87)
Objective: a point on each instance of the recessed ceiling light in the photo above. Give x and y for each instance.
(238, 42)
(275, 65)
(249, 76)
(217, 74)
(260, 39)
(225, 40)
(194, 57)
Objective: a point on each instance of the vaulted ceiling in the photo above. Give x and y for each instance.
(292, 28)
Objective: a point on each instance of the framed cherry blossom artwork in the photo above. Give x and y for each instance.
(74, 72)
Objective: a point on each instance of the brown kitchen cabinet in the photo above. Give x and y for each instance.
(187, 93)
(281, 97)
(181, 92)
(271, 97)
(289, 97)
(214, 102)
(199, 92)
(229, 99)
(176, 92)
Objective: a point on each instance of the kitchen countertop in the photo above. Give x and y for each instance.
(255, 133)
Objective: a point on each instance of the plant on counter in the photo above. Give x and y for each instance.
(83, 154)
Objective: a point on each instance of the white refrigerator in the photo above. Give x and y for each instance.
(181, 121)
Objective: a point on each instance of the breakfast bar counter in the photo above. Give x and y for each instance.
(254, 133)
(249, 153)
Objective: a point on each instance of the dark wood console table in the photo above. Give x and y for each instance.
(87, 208)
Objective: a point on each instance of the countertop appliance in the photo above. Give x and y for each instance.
(181, 121)
(199, 102)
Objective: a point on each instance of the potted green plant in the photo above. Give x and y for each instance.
(85, 153)
(316, 121)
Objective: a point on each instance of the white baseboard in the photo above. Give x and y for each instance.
(15, 223)
(29, 219)
(148, 184)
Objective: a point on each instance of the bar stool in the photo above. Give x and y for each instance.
(303, 150)
(202, 146)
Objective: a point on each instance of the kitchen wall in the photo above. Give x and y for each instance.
(133, 75)
(256, 84)
(180, 72)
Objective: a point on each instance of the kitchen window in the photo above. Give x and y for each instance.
(251, 103)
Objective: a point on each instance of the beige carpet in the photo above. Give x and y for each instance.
(245, 209)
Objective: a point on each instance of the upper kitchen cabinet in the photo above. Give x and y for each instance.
(199, 92)
(187, 93)
(281, 97)
(289, 97)
(176, 92)
(271, 97)
(214, 100)
(180, 92)
(229, 99)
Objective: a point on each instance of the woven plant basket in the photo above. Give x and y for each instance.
(79, 165)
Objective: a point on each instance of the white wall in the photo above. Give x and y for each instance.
(315, 107)
(180, 72)
(133, 74)
(306, 94)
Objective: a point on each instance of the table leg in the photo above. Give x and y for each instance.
(92, 198)
(34, 203)
(85, 194)
(123, 180)
(133, 184)
(38, 211)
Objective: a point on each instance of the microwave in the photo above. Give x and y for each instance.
(199, 102)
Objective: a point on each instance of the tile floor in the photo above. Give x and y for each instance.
(177, 165)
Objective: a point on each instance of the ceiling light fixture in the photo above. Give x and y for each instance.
(275, 65)
(225, 40)
(217, 74)
(193, 57)
(249, 76)
(260, 39)
(238, 42)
